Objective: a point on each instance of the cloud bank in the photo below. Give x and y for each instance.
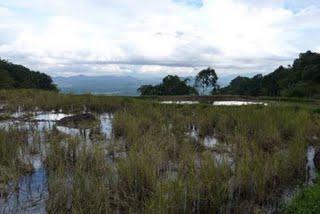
(157, 37)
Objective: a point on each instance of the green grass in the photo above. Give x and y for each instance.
(306, 201)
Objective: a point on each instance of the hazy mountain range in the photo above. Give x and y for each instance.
(115, 85)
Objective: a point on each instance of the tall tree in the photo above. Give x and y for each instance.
(207, 78)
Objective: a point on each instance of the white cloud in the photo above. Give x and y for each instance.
(156, 37)
(166, 70)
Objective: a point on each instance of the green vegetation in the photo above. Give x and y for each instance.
(207, 78)
(171, 85)
(12, 149)
(18, 76)
(30, 100)
(307, 201)
(302, 79)
(151, 165)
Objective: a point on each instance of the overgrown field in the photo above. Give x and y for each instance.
(159, 158)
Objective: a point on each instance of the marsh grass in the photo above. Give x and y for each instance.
(269, 146)
(156, 168)
(305, 201)
(14, 161)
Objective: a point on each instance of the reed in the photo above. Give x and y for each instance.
(151, 165)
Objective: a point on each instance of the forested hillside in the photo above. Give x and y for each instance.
(302, 79)
(18, 76)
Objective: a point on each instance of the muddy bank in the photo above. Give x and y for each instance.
(85, 120)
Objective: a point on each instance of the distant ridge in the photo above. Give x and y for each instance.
(106, 84)
(118, 85)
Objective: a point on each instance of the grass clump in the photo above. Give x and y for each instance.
(306, 201)
(4, 117)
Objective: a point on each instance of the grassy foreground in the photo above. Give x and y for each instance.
(152, 166)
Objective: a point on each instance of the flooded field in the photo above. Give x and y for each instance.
(29, 193)
(153, 157)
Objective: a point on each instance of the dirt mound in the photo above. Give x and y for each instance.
(86, 120)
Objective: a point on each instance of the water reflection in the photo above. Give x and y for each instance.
(237, 103)
(51, 116)
(106, 125)
(27, 125)
(310, 167)
(193, 133)
(210, 141)
(74, 132)
(29, 195)
(47, 121)
(180, 102)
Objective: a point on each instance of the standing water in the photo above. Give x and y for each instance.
(106, 125)
(237, 103)
(29, 193)
(310, 168)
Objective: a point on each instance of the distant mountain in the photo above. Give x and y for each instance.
(302, 79)
(112, 85)
(18, 76)
(117, 85)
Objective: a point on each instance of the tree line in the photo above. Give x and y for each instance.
(174, 85)
(301, 79)
(18, 76)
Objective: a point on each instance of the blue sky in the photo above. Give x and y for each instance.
(157, 37)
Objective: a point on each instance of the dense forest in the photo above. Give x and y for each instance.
(18, 76)
(171, 85)
(302, 79)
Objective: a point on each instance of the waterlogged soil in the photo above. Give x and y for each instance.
(29, 193)
(311, 168)
(221, 151)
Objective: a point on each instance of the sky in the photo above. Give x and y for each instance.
(157, 37)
